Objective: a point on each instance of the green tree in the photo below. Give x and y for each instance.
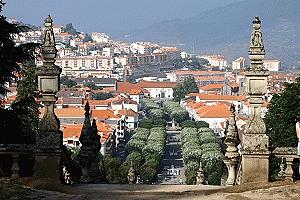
(146, 123)
(87, 38)
(90, 85)
(283, 113)
(102, 96)
(11, 56)
(70, 29)
(148, 171)
(189, 85)
(25, 105)
(65, 80)
(17, 124)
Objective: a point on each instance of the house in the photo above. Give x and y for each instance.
(99, 104)
(220, 89)
(99, 82)
(68, 102)
(71, 134)
(131, 118)
(158, 90)
(114, 120)
(236, 100)
(67, 115)
(124, 104)
(134, 91)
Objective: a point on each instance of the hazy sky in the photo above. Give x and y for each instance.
(111, 16)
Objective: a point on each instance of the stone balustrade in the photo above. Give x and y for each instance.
(287, 155)
(15, 151)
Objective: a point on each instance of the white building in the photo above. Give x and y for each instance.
(158, 90)
(100, 37)
(272, 65)
(74, 65)
(238, 63)
(143, 47)
(216, 60)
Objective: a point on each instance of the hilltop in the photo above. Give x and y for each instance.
(226, 30)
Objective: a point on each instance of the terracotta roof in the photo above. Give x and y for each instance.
(126, 87)
(210, 78)
(72, 100)
(67, 112)
(152, 84)
(233, 85)
(103, 114)
(72, 130)
(124, 100)
(98, 102)
(105, 137)
(221, 97)
(104, 127)
(213, 86)
(136, 91)
(129, 113)
(214, 111)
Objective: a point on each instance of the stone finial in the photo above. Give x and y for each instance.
(89, 151)
(256, 43)
(257, 49)
(49, 51)
(87, 121)
(232, 139)
(131, 174)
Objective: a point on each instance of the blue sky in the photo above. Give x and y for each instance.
(111, 16)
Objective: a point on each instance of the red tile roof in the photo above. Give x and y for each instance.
(221, 97)
(219, 110)
(72, 130)
(66, 112)
(213, 86)
(103, 114)
(152, 84)
(126, 87)
(129, 113)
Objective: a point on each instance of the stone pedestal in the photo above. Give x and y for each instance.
(255, 158)
(48, 156)
(47, 166)
(255, 168)
(231, 165)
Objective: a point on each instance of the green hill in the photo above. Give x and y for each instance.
(226, 30)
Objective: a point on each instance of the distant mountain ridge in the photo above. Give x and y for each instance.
(226, 30)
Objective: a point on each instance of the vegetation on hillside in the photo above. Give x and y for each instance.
(181, 90)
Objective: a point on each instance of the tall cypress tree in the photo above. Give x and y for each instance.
(19, 122)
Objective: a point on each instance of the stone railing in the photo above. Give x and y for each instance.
(287, 155)
(15, 150)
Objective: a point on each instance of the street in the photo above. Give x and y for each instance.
(172, 166)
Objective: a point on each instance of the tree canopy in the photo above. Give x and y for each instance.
(20, 122)
(70, 29)
(190, 63)
(65, 80)
(11, 55)
(189, 85)
(283, 113)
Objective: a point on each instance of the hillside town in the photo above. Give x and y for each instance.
(99, 65)
(87, 109)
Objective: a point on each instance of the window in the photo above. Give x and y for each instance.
(66, 63)
(92, 63)
(75, 63)
(83, 63)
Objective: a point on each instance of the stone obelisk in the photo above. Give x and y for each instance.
(49, 139)
(255, 142)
